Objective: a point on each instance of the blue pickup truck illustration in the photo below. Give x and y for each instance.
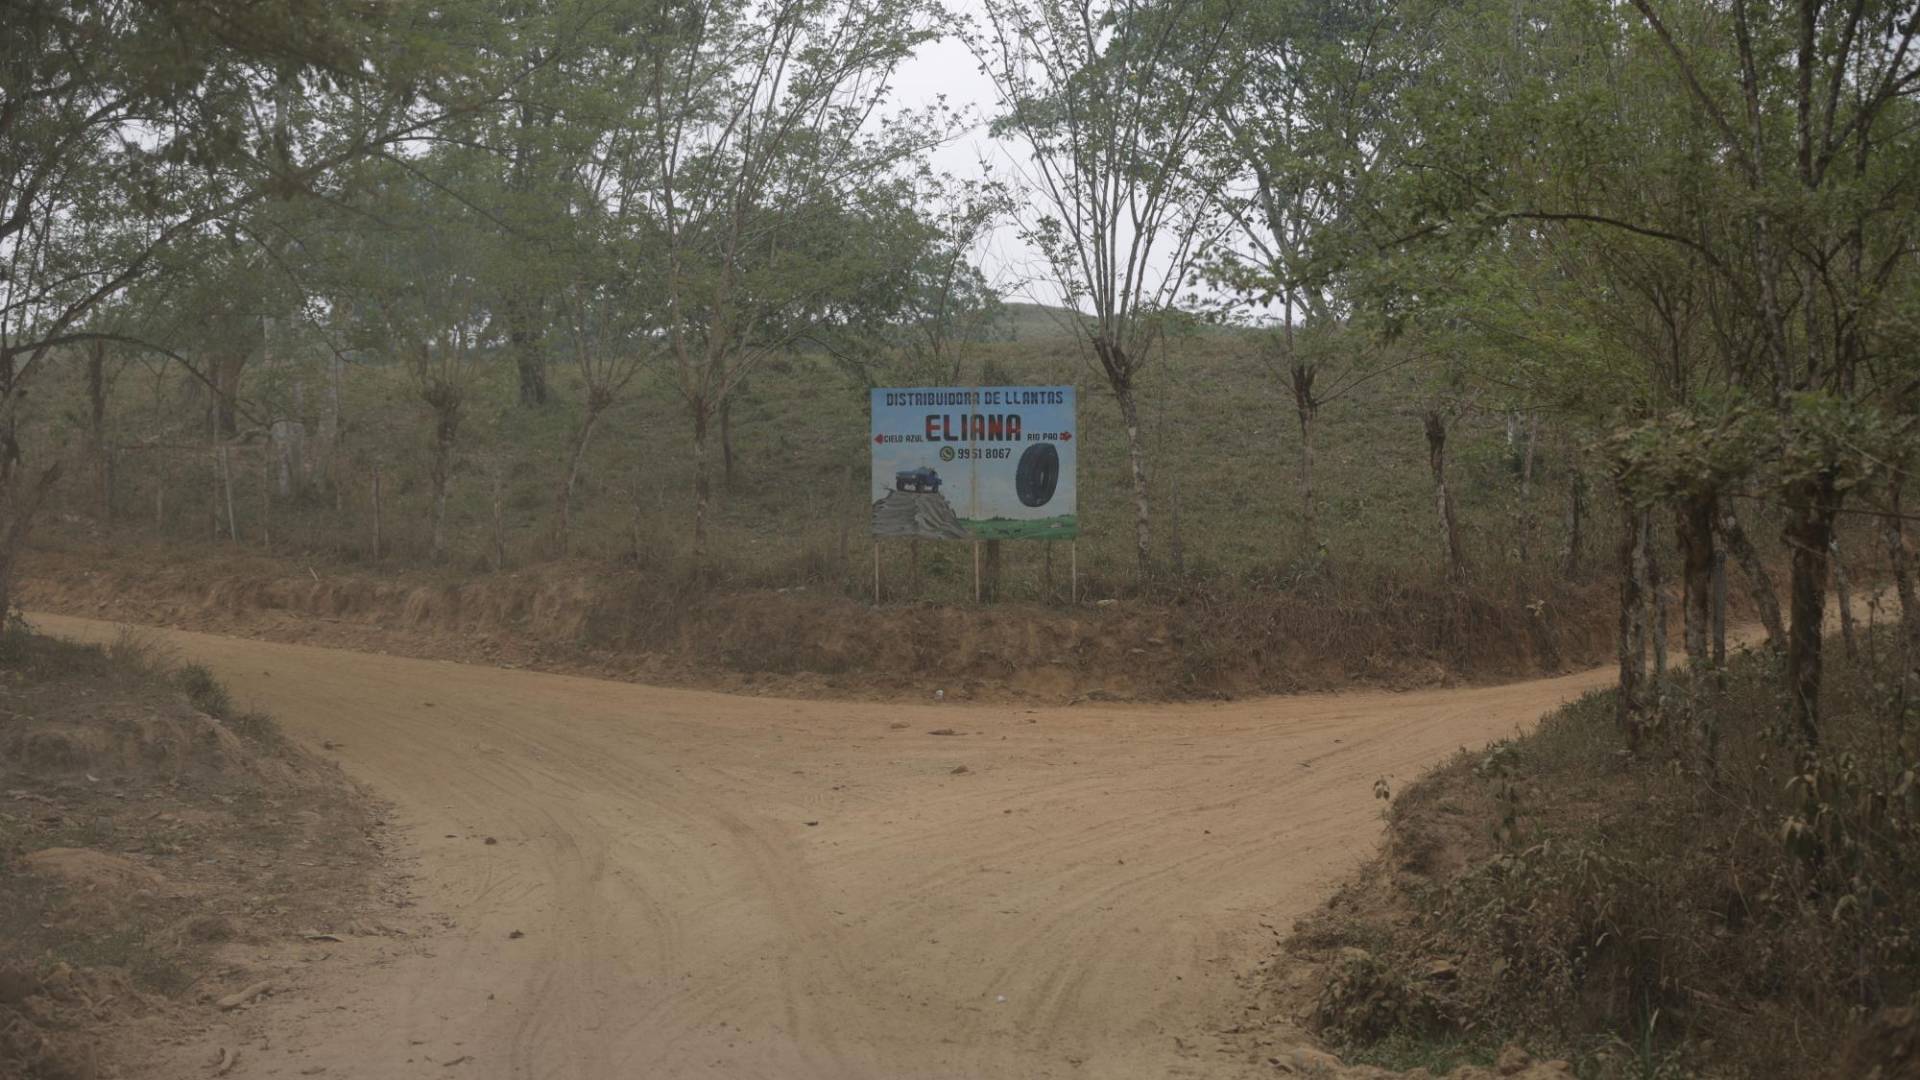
(921, 479)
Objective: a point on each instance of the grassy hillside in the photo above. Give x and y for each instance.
(1220, 427)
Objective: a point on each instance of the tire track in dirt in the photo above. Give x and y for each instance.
(1080, 901)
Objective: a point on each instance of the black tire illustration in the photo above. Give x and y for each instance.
(1038, 474)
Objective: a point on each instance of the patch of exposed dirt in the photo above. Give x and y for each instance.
(152, 854)
(587, 618)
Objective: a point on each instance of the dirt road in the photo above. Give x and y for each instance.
(715, 886)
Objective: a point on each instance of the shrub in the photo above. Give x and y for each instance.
(1725, 899)
(204, 691)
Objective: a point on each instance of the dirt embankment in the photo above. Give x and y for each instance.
(589, 618)
(1721, 902)
(165, 860)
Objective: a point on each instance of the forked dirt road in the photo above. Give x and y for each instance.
(715, 886)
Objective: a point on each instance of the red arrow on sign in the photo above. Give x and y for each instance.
(879, 438)
(1066, 436)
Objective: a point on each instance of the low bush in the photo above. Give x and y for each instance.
(1726, 901)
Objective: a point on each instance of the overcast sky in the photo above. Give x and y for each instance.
(948, 67)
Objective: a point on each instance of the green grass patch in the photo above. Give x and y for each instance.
(1062, 527)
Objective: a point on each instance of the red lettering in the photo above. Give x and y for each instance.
(1013, 427)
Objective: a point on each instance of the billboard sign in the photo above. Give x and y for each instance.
(975, 463)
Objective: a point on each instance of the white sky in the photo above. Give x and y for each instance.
(947, 67)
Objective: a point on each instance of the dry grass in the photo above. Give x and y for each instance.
(1716, 906)
(1203, 642)
(1250, 605)
(144, 826)
(1220, 429)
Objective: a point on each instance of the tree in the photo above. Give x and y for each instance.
(128, 128)
(750, 117)
(1111, 100)
(441, 370)
(608, 352)
(1303, 125)
(1800, 215)
(1763, 228)
(529, 165)
(952, 308)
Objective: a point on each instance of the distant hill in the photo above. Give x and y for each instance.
(1050, 323)
(1037, 322)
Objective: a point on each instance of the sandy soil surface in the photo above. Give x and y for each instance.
(688, 884)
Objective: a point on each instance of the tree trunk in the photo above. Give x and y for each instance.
(1525, 542)
(438, 539)
(1575, 551)
(1632, 639)
(226, 485)
(726, 443)
(1137, 461)
(1719, 608)
(1759, 582)
(1843, 594)
(20, 508)
(1809, 533)
(1656, 602)
(499, 520)
(1307, 408)
(20, 500)
(225, 375)
(378, 538)
(97, 451)
(441, 473)
(289, 440)
(1693, 520)
(574, 460)
(213, 501)
(633, 523)
(1176, 546)
(266, 503)
(702, 489)
(1899, 561)
(1436, 427)
(330, 424)
(523, 342)
(846, 518)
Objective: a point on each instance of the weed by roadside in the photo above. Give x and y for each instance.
(204, 691)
